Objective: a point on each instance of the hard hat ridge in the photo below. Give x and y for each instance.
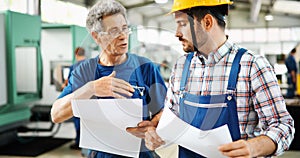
(186, 4)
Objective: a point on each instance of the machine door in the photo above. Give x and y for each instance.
(3, 83)
(23, 33)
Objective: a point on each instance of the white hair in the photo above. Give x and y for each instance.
(101, 9)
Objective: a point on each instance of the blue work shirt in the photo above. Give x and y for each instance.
(291, 64)
(136, 70)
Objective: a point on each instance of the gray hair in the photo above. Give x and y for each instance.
(101, 9)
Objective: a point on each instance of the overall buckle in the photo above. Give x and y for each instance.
(230, 94)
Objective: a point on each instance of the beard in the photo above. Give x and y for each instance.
(188, 46)
(188, 49)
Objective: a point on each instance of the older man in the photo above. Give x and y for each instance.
(114, 73)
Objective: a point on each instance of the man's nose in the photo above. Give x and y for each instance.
(122, 35)
(178, 33)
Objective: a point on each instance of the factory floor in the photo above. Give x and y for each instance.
(64, 151)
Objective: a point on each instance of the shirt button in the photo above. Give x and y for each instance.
(229, 97)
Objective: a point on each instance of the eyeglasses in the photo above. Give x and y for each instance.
(115, 32)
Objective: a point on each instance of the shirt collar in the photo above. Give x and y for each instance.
(215, 56)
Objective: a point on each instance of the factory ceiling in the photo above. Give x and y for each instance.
(151, 10)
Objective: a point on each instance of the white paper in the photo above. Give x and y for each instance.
(173, 130)
(103, 124)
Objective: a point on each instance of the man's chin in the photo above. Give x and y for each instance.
(121, 52)
(187, 50)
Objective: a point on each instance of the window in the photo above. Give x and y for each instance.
(273, 35)
(248, 35)
(285, 34)
(55, 11)
(14, 5)
(260, 35)
(235, 35)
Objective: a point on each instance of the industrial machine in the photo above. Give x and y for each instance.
(27, 82)
(30, 53)
(58, 43)
(20, 69)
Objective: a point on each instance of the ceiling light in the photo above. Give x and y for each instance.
(161, 1)
(269, 17)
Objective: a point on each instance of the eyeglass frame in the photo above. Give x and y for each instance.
(118, 32)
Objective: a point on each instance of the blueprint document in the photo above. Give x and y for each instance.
(173, 130)
(103, 124)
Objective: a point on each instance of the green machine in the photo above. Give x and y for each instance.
(71, 36)
(58, 43)
(133, 38)
(20, 69)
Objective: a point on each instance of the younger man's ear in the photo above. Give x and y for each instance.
(208, 21)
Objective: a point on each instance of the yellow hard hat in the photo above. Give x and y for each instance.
(186, 4)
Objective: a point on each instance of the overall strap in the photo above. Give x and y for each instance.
(185, 71)
(235, 69)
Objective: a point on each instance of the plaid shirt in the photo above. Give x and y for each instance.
(260, 105)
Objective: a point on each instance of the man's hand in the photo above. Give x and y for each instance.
(141, 129)
(152, 140)
(258, 146)
(109, 86)
(146, 130)
(240, 148)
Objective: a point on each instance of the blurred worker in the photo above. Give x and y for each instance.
(79, 57)
(165, 70)
(114, 73)
(219, 83)
(291, 65)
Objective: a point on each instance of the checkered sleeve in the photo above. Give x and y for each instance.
(270, 106)
(172, 99)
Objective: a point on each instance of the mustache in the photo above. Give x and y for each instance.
(180, 39)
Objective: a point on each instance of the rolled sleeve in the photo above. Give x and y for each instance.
(282, 133)
(270, 106)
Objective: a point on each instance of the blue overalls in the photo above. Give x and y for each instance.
(133, 75)
(211, 111)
